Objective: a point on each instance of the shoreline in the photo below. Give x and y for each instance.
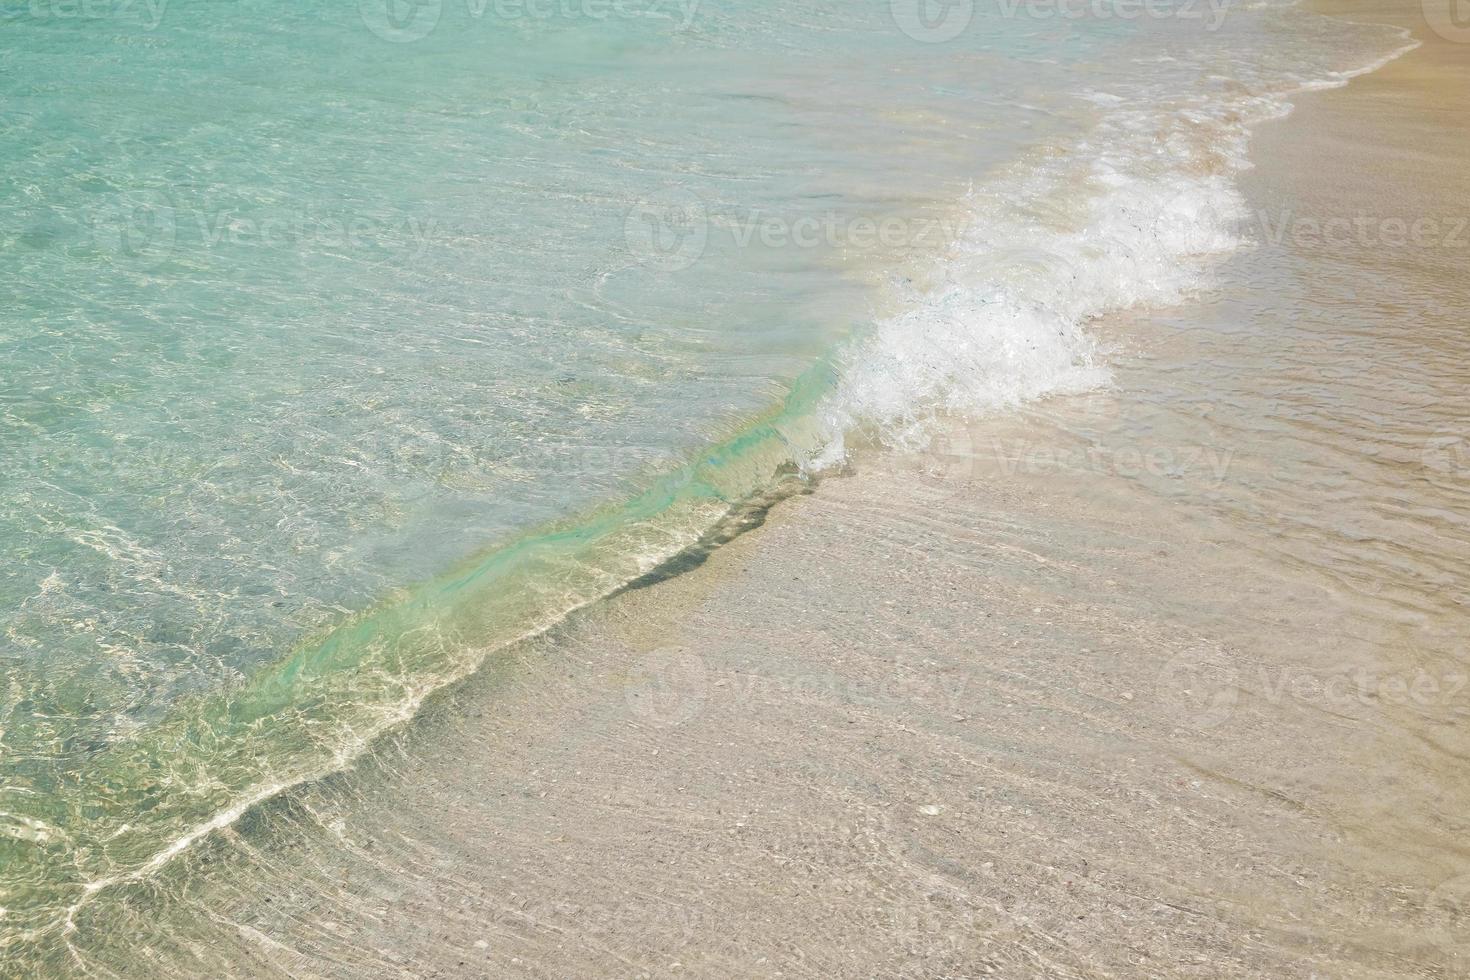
(639, 636)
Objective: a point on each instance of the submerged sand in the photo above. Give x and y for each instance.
(1165, 681)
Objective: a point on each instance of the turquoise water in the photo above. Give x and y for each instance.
(343, 344)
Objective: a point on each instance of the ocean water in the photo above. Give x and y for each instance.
(344, 344)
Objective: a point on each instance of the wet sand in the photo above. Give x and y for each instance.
(1169, 680)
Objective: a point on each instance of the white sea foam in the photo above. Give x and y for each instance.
(1134, 214)
(1131, 213)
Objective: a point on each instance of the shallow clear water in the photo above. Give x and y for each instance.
(342, 344)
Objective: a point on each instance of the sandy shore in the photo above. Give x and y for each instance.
(1161, 682)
